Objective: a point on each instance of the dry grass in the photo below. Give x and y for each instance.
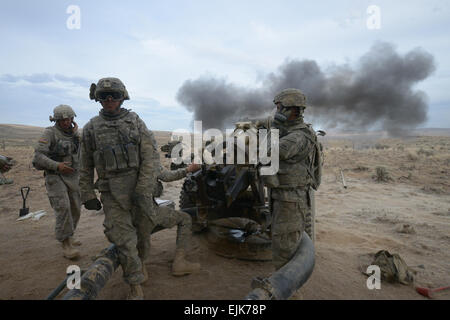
(423, 161)
(419, 161)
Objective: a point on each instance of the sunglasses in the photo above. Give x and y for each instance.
(113, 94)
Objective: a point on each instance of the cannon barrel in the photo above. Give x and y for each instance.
(95, 278)
(284, 282)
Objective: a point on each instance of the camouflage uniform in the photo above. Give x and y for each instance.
(123, 152)
(57, 146)
(291, 198)
(5, 165)
(165, 218)
(171, 175)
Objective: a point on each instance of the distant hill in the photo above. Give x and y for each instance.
(18, 131)
(23, 135)
(434, 132)
(441, 132)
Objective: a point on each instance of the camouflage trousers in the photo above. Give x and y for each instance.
(164, 218)
(288, 225)
(120, 229)
(67, 205)
(130, 231)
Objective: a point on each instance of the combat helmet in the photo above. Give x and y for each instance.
(110, 85)
(62, 111)
(290, 98)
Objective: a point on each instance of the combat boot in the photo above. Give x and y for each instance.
(181, 266)
(75, 242)
(136, 292)
(69, 251)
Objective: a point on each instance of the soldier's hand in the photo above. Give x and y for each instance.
(193, 167)
(75, 127)
(64, 167)
(93, 204)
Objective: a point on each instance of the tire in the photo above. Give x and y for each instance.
(185, 200)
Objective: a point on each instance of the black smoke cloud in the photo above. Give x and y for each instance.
(377, 91)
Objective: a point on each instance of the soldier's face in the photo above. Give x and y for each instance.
(291, 112)
(65, 124)
(110, 105)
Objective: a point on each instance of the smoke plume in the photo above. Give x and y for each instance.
(377, 91)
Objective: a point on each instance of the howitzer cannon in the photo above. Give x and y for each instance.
(230, 200)
(231, 204)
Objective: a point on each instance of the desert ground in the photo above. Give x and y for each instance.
(368, 215)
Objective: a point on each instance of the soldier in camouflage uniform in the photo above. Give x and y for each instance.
(164, 218)
(172, 175)
(58, 154)
(124, 153)
(299, 171)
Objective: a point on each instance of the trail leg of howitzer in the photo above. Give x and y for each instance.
(95, 278)
(283, 283)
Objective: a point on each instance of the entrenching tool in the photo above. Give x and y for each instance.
(428, 292)
(24, 211)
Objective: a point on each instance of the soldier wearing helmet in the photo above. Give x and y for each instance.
(118, 145)
(57, 153)
(299, 173)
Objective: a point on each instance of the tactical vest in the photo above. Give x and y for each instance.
(115, 144)
(64, 148)
(305, 168)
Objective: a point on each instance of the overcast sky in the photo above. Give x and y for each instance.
(155, 46)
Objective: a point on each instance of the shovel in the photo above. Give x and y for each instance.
(24, 211)
(428, 292)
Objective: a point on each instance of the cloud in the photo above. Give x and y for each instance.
(40, 78)
(30, 99)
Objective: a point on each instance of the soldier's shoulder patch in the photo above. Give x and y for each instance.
(42, 140)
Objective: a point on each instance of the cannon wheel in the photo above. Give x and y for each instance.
(185, 200)
(217, 236)
(220, 239)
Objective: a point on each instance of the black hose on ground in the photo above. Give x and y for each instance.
(285, 281)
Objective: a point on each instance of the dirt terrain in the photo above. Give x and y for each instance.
(365, 217)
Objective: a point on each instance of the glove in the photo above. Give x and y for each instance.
(93, 204)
